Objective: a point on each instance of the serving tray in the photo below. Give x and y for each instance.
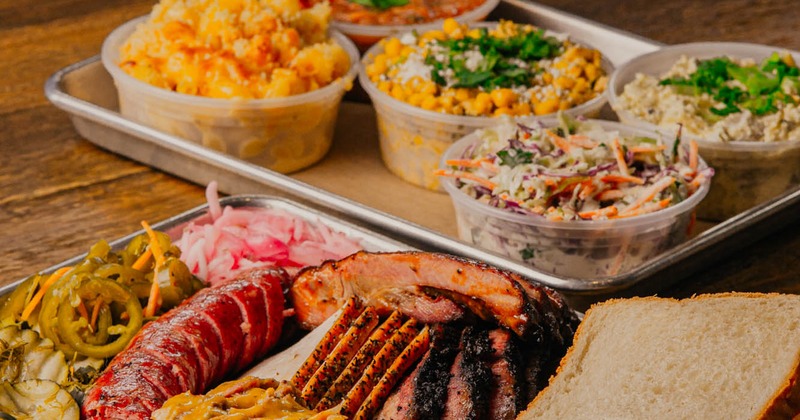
(352, 184)
(173, 226)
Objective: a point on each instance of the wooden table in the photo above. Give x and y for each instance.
(59, 193)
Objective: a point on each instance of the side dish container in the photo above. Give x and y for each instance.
(582, 249)
(413, 139)
(282, 134)
(747, 173)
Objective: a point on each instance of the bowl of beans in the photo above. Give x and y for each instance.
(430, 89)
(367, 22)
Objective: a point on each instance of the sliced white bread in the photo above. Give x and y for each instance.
(722, 356)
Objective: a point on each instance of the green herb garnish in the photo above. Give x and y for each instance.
(505, 62)
(527, 253)
(518, 157)
(380, 4)
(763, 84)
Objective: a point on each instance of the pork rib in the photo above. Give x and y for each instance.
(209, 336)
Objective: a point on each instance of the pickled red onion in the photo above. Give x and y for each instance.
(237, 239)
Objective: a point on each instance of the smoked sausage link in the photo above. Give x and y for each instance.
(210, 336)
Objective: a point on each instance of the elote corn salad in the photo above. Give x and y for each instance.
(508, 69)
(244, 49)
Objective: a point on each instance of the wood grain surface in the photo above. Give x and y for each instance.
(59, 193)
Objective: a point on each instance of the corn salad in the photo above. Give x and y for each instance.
(248, 49)
(509, 69)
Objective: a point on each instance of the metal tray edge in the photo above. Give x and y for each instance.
(743, 224)
(372, 240)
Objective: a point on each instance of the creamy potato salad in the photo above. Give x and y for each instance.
(724, 98)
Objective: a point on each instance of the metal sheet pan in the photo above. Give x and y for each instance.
(86, 92)
(173, 226)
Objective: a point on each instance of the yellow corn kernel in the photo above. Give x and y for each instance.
(428, 88)
(503, 97)
(482, 104)
(450, 26)
(581, 85)
(474, 33)
(398, 93)
(571, 53)
(503, 111)
(591, 71)
(376, 69)
(469, 107)
(415, 99)
(575, 71)
(385, 86)
(433, 35)
(406, 51)
(462, 94)
(521, 109)
(458, 110)
(564, 105)
(547, 106)
(447, 101)
(429, 103)
(600, 84)
(547, 78)
(564, 82)
(393, 47)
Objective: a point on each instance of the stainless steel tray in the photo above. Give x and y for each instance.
(173, 226)
(86, 92)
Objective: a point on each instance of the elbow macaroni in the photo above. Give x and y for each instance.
(246, 49)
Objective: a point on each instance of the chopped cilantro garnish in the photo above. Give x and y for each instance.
(380, 4)
(527, 253)
(503, 62)
(763, 84)
(514, 157)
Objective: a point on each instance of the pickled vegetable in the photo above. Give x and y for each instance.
(37, 399)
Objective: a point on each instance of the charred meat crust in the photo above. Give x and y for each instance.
(392, 280)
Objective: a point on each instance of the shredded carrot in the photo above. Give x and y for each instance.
(649, 194)
(83, 311)
(559, 141)
(617, 149)
(609, 211)
(693, 155)
(42, 290)
(95, 312)
(155, 291)
(466, 175)
(587, 191)
(622, 178)
(143, 259)
(581, 140)
(647, 149)
(467, 163)
(610, 195)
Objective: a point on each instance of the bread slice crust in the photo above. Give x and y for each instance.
(784, 400)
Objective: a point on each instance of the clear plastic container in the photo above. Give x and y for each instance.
(413, 139)
(282, 134)
(580, 249)
(367, 35)
(746, 173)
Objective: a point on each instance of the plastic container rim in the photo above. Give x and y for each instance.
(383, 30)
(472, 121)
(721, 47)
(460, 198)
(110, 55)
